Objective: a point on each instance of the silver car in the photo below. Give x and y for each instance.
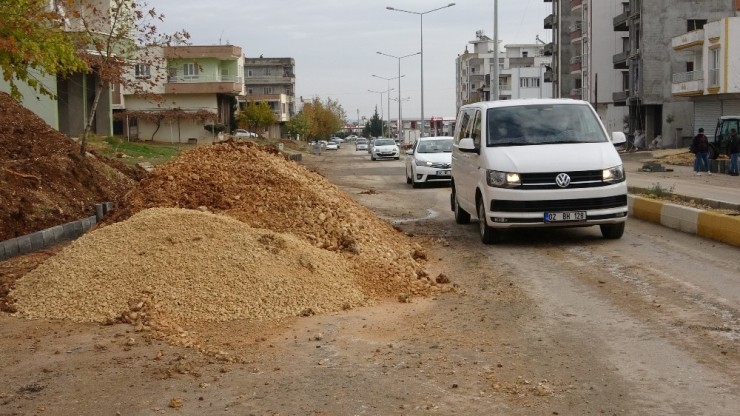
(384, 149)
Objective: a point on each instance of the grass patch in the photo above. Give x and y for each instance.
(658, 191)
(132, 153)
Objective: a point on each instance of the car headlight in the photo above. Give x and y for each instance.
(613, 175)
(498, 179)
(423, 163)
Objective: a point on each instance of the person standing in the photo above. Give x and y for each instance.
(700, 147)
(733, 150)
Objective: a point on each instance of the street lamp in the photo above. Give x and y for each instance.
(381, 107)
(400, 116)
(421, 20)
(388, 96)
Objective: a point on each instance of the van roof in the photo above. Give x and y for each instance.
(524, 101)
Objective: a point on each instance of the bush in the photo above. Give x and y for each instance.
(215, 128)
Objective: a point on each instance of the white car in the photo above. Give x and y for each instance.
(361, 144)
(429, 160)
(331, 146)
(384, 149)
(244, 133)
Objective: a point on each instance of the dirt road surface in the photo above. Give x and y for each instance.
(556, 322)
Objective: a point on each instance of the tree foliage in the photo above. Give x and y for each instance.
(33, 44)
(298, 126)
(256, 115)
(323, 118)
(376, 124)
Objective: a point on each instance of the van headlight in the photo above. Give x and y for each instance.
(613, 175)
(498, 179)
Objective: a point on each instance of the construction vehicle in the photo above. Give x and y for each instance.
(718, 146)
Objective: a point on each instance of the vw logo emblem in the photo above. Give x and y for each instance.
(563, 180)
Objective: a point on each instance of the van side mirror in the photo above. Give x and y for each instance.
(467, 145)
(618, 138)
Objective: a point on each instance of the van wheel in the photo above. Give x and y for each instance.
(488, 235)
(612, 231)
(461, 216)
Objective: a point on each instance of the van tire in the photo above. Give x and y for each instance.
(461, 216)
(612, 231)
(488, 235)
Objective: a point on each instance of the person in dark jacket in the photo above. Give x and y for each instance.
(733, 150)
(700, 147)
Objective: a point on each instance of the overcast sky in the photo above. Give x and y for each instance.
(334, 43)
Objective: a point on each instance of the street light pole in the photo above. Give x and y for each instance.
(381, 107)
(421, 21)
(388, 96)
(400, 115)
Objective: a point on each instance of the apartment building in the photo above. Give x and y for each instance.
(199, 88)
(271, 80)
(708, 72)
(522, 74)
(582, 51)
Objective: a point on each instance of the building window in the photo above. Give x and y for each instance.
(190, 70)
(524, 54)
(250, 91)
(268, 90)
(142, 71)
(267, 72)
(714, 67)
(529, 82)
(249, 73)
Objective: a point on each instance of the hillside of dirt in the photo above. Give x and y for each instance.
(44, 181)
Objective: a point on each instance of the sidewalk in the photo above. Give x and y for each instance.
(717, 187)
(717, 190)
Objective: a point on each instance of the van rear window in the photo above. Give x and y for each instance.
(543, 124)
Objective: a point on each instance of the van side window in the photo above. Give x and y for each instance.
(462, 125)
(475, 131)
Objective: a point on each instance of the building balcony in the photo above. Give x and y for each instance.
(620, 22)
(203, 84)
(575, 64)
(693, 40)
(223, 52)
(549, 49)
(620, 60)
(574, 4)
(270, 79)
(549, 21)
(521, 62)
(548, 76)
(688, 84)
(620, 96)
(548, 1)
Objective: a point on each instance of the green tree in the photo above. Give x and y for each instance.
(298, 126)
(376, 124)
(256, 115)
(33, 43)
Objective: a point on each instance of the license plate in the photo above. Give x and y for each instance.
(443, 173)
(565, 216)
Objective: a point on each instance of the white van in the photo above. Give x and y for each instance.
(536, 163)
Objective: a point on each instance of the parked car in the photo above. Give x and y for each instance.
(536, 163)
(429, 160)
(385, 149)
(243, 133)
(337, 141)
(361, 144)
(331, 146)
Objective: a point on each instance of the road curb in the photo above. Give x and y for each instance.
(707, 224)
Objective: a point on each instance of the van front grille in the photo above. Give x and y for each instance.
(559, 205)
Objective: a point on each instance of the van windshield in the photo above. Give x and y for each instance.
(543, 124)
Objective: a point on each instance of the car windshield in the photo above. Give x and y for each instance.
(435, 146)
(384, 142)
(361, 141)
(543, 124)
